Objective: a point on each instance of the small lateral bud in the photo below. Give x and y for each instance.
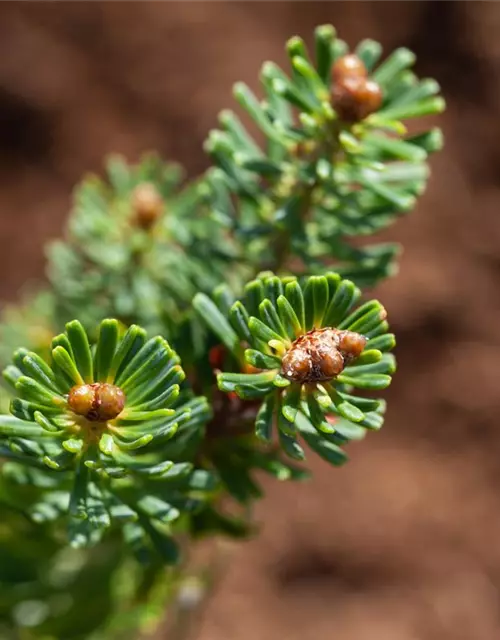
(349, 66)
(355, 98)
(147, 204)
(81, 399)
(97, 402)
(351, 345)
(327, 359)
(296, 364)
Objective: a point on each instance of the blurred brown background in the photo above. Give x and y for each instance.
(404, 542)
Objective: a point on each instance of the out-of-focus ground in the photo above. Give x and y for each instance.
(403, 543)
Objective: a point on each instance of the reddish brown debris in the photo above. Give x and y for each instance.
(217, 355)
(96, 402)
(321, 354)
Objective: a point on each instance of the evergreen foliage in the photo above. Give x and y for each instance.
(250, 281)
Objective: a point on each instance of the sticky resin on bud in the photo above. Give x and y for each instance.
(97, 402)
(147, 204)
(321, 355)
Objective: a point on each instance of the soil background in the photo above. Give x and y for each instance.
(403, 543)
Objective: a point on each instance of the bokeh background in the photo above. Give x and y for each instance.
(404, 542)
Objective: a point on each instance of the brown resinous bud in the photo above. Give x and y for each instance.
(321, 355)
(147, 205)
(97, 402)
(348, 66)
(354, 95)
